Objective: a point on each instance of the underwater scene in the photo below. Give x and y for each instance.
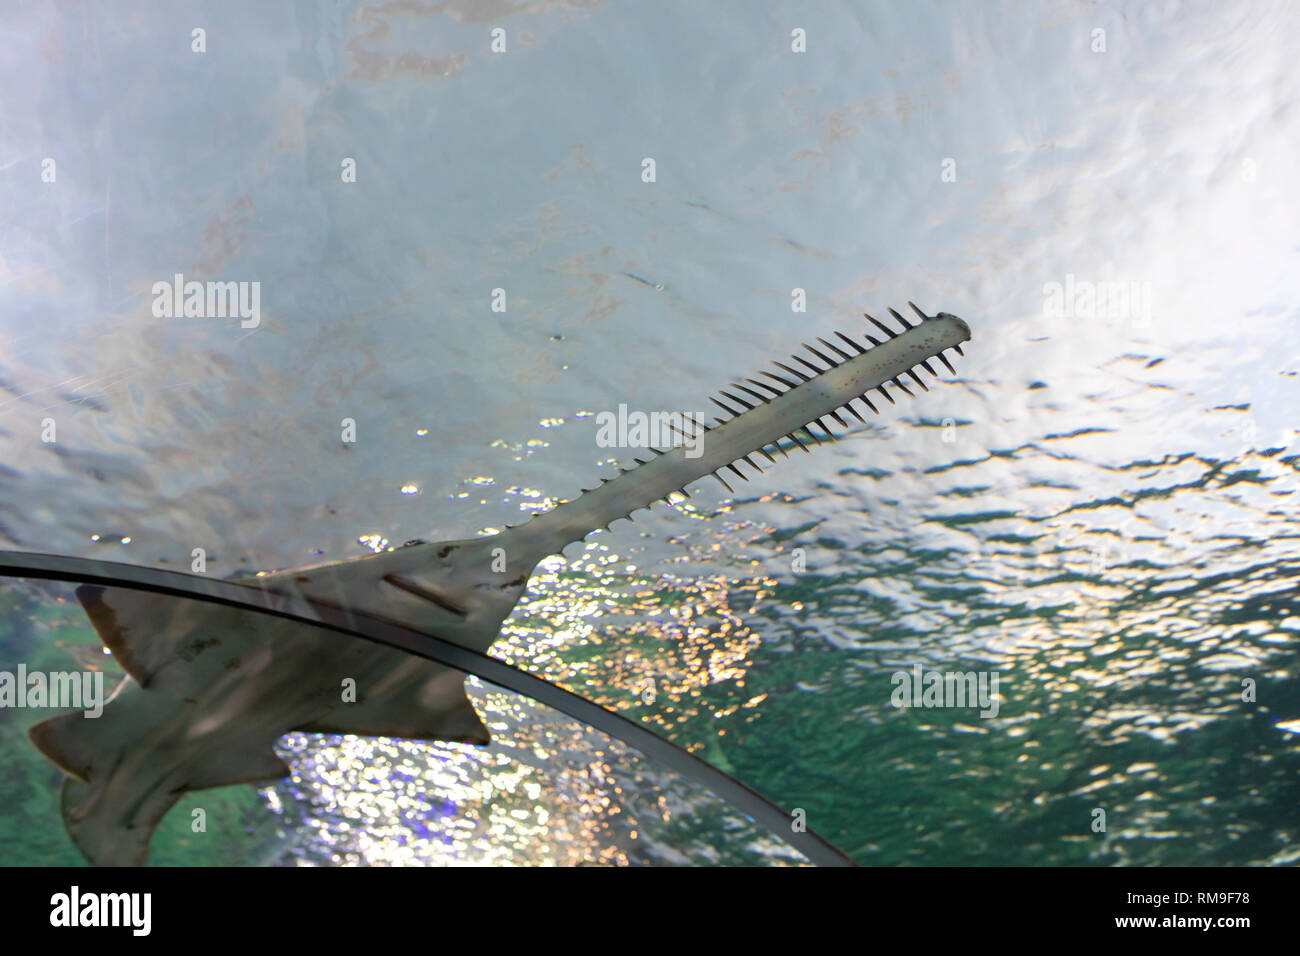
(545, 433)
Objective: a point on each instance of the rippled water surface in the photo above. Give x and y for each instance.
(1100, 509)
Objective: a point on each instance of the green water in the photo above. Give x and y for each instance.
(1149, 677)
(1122, 678)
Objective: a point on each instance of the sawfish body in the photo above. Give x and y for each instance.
(211, 688)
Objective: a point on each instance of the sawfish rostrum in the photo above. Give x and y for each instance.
(210, 688)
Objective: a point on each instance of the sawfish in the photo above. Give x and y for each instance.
(210, 688)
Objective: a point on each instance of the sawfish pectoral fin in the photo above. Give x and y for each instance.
(415, 700)
(160, 641)
(255, 762)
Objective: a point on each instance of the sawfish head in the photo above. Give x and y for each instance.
(463, 590)
(210, 688)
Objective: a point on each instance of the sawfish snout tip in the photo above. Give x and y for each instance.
(944, 316)
(959, 322)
